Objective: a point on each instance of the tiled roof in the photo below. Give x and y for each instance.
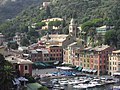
(101, 48)
(117, 51)
(16, 60)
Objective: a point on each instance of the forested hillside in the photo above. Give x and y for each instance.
(82, 10)
(10, 8)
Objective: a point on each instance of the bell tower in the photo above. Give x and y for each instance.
(72, 28)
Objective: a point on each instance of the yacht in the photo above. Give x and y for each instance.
(81, 86)
(116, 88)
(73, 82)
(95, 83)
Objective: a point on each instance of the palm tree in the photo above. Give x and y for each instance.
(6, 74)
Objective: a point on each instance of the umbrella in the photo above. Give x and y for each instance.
(16, 81)
(22, 79)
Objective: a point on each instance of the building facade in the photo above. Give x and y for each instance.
(73, 28)
(56, 53)
(21, 65)
(114, 62)
(95, 58)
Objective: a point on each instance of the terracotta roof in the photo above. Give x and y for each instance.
(117, 51)
(16, 60)
(101, 48)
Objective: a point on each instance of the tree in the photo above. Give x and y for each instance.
(110, 38)
(39, 25)
(43, 88)
(33, 40)
(92, 24)
(33, 33)
(24, 42)
(48, 13)
(6, 74)
(12, 45)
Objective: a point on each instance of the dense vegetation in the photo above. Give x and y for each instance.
(11, 8)
(6, 74)
(89, 13)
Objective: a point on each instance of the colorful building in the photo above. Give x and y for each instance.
(56, 53)
(114, 62)
(57, 39)
(95, 58)
(21, 65)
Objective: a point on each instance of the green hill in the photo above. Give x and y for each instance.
(10, 8)
(82, 10)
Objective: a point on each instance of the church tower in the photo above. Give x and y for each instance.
(72, 28)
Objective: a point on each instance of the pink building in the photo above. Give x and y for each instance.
(56, 53)
(24, 66)
(101, 59)
(94, 59)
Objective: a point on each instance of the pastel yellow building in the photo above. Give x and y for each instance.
(114, 62)
(49, 20)
(57, 39)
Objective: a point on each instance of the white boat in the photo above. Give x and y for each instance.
(116, 87)
(81, 86)
(56, 85)
(85, 81)
(63, 82)
(73, 82)
(95, 83)
(109, 82)
(91, 85)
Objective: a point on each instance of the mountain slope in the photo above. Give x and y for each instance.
(10, 8)
(81, 10)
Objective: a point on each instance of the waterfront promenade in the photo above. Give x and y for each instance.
(43, 71)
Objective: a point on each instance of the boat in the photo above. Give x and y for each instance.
(73, 82)
(95, 83)
(91, 85)
(81, 86)
(116, 88)
(63, 82)
(58, 87)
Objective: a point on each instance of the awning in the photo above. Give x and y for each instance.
(90, 70)
(64, 68)
(22, 79)
(94, 71)
(117, 73)
(79, 68)
(84, 70)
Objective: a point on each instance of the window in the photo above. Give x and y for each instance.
(26, 67)
(84, 60)
(110, 68)
(88, 60)
(84, 65)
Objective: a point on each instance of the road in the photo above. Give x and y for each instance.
(43, 71)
